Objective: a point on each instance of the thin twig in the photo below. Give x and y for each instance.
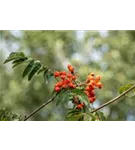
(56, 79)
(35, 111)
(114, 99)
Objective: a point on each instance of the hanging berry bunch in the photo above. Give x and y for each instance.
(91, 84)
(65, 79)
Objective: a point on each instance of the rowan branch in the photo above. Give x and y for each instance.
(114, 99)
(39, 108)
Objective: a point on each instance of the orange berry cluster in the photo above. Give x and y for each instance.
(67, 79)
(91, 84)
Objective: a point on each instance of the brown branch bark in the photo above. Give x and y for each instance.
(114, 99)
(39, 108)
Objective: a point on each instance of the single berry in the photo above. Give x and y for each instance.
(82, 104)
(92, 99)
(87, 88)
(71, 69)
(68, 66)
(99, 85)
(71, 85)
(63, 77)
(57, 89)
(73, 77)
(93, 82)
(91, 78)
(98, 77)
(60, 83)
(63, 73)
(66, 81)
(79, 106)
(69, 75)
(92, 93)
(56, 73)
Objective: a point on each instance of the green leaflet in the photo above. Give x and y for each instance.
(47, 75)
(73, 112)
(62, 97)
(126, 87)
(42, 69)
(7, 115)
(37, 65)
(28, 68)
(14, 55)
(100, 116)
(84, 100)
(78, 116)
(16, 65)
(82, 96)
(19, 60)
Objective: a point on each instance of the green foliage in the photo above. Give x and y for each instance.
(17, 56)
(19, 61)
(126, 87)
(81, 95)
(48, 74)
(74, 115)
(6, 115)
(63, 97)
(37, 65)
(77, 115)
(100, 116)
(33, 66)
(43, 68)
(67, 95)
(28, 69)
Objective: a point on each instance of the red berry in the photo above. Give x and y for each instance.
(87, 88)
(60, 84)
(99, 85)
(63, 73)
(66, 81)
(69, 66)
(73, 77)
(69, 75)
(71, 85)
(79, 106)
(82, 104)
(63, 77)
(93, 82)
(92, 99)
(92, 93)
(57, 89)
(56, 73)
(98, 77)
(71, 69)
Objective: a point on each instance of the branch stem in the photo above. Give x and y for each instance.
(114, 99)
(39, 108)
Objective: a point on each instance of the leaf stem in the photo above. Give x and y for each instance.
(114, 99)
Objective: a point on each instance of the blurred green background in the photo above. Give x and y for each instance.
(108, 53)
